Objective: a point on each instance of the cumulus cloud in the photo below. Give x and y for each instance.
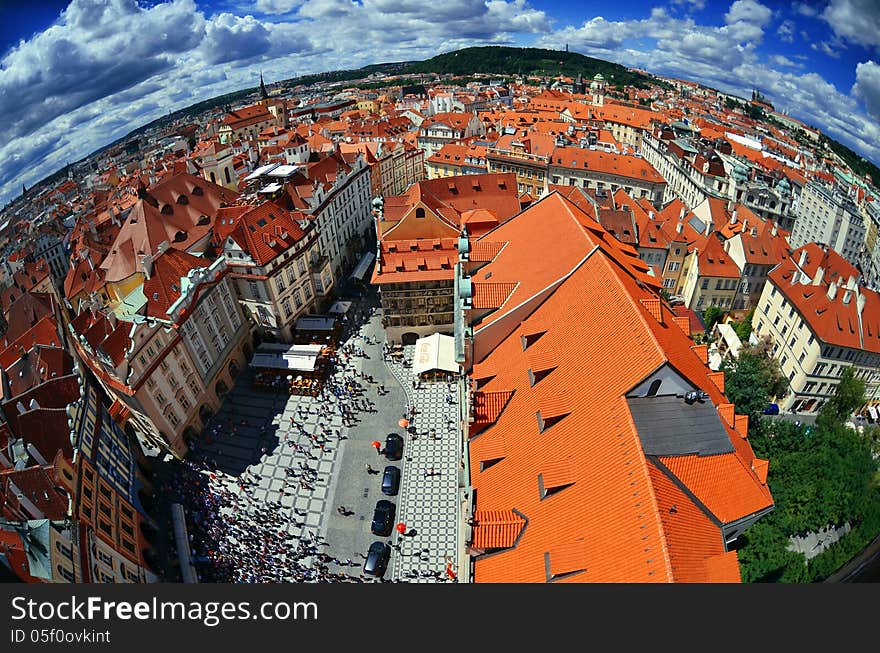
(748, 11)
(230, 38)
(785, 31)
(277, 6)
(855, 20)
(867, 86)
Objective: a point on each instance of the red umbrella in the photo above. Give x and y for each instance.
(377, 445)
(401, 528)
(450, 572)
(403, 422)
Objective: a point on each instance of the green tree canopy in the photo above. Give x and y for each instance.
(752, 379)
(849, 395)
(711, 317)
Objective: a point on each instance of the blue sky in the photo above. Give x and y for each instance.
(76, 76)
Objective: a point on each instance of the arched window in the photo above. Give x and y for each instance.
(420, 212)
(655, 386)
(213, 178)
(226, 172)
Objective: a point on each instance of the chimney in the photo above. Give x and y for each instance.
(733, 217)
(754, 232)
(851, 283)
(651, 215)
(860, 303)
(679, 227)
(774, 231)
(802, 259)
(708, 227)
(34, 404)
(847, 296)
(832, 290)
(730, 206)
(681, 213)
(820, 275)
(745, 225)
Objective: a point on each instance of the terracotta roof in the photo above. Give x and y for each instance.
(247, 116)
(162, 289)
(265, 231)
(833, 321)
(36, 485)
(588, 460)
(553, 224)
(631, 167)
(496, 529)
(720, 484)
(26, 311)
(715, 262)
(492, 295)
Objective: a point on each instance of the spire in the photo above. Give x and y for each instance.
(263, 94)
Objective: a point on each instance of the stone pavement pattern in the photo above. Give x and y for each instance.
(427, 505)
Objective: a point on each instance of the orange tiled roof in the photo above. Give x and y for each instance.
(496, 528)
(589, 458)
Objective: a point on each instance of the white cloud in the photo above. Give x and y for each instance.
(785, 31)
(855, 20)
(782, 60)
(690, 4)
(277, 6)
(804, 9)
(867, 86)
(825, 48)
(749, 11)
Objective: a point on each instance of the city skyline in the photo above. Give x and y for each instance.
(74, 79)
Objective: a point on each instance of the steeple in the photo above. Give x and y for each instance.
(263, 94)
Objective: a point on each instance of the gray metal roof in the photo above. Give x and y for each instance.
(668, 426)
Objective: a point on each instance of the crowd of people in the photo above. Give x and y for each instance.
(238, 534)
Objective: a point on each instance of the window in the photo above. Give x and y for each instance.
(287, 311)
(420, 212)
(655, 386)
(297, 299)
(673, 266)
(279, 282)
(704, 284)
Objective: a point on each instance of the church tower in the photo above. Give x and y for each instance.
(264, 95)
(597, 88)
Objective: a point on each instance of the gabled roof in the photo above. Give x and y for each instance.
(566, 452)
(163, 288)
(264, 232)
(715, 262)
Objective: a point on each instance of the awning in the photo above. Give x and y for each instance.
(298, 358)
(362, 266)
(434, 352)
(315, 323)
(339, 308)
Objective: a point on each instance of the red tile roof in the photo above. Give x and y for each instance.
(589, 458)
(162, 289)
(715, 262)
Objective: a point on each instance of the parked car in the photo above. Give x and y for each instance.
(391, 480)
(377, 559)
(772, 409)
(383, 518)
(394, 447)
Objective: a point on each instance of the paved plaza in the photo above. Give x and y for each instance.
(254, 438)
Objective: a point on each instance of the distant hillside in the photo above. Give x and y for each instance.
(526, 61)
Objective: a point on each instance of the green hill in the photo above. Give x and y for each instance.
(526, 61)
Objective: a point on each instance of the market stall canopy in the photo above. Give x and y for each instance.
(434, 352)
(302, 358)
(315, 323)
(363, 265)
(339, 308)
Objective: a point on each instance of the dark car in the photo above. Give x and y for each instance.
(393, 447)
(383, 518)
(391, 480)
(377, 559)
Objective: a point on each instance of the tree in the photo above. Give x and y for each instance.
(849, 395)
(751, 379)
(711, 317)
(744, 329)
